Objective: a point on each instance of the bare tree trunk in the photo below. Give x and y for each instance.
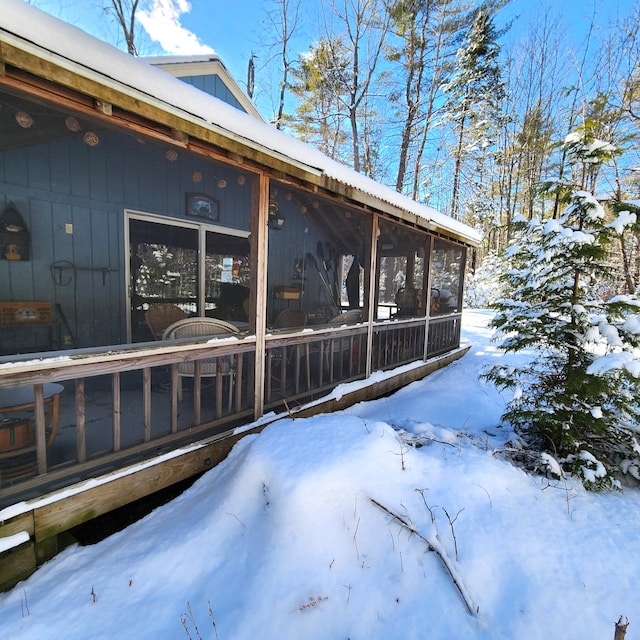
(621, 628)
(126, 16)
(455, 194)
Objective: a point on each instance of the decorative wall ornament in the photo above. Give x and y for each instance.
(202, 205)
(24, 119)
(72, 124)
(241, 179)
(171, 155)
(222, 183)
(14, 235)
(276, 219)
(196, 176)
(91, 139)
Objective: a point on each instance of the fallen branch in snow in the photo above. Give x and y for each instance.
(434, 545)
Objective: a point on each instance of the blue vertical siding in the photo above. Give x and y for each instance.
(68, 182)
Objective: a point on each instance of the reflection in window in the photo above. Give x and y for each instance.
(164, 265)
(227, 276)
(315, 259)
(447, 269)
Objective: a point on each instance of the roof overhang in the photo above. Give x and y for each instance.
(34, 42)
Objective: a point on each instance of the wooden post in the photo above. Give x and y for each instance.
(81, 435)
(116, 409)
(41, 437)
(374, 281)
(260, 241)
(427, 297)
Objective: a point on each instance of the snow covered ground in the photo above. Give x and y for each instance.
(291, 537)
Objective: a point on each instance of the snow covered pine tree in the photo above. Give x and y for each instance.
(575, 401)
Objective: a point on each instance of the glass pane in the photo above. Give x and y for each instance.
(447, 268)
(164, 269)
(312, 244)
(401, 272)
(227, 279)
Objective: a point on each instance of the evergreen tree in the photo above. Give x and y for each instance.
(320, 117)
(576, 398)
(474, 94)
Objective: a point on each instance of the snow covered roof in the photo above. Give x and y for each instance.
(37, 33)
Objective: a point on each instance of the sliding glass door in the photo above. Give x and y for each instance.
(199, 269)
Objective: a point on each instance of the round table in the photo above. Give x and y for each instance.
(18, 436)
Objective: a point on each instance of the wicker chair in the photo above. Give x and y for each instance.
(161, 316)
(203, 328)
(348, 317)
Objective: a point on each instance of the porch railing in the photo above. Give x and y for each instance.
(308, 364)
(123, 404)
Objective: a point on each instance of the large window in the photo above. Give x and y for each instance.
(317, 257)
(194, 267)
(401, 272)
(447, 271)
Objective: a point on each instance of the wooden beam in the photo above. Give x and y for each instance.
(76, 508)
(180, 136)
(104, 107)
(16, 565)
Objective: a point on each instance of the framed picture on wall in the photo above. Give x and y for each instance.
(201, 205)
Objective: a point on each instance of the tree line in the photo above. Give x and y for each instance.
(465, 109)
(458, 104)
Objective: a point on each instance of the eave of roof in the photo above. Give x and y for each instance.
(29, 31)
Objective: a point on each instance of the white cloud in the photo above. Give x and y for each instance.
(161, 20)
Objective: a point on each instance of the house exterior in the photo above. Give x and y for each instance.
(124, 189)
(209, 74)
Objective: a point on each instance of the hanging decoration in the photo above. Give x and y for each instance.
(91, 139)
(14, 235)
(72, 124)
(24, 119)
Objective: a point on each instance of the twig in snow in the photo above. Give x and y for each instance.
(24, 605)
(189, 616)
(233, 515)
(421, 492)
(453, 533)
(434, 545)
(488, 496)
(355, 541)
(213, 622)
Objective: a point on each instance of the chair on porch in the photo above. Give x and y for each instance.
(282, 367)
(203, 328)
(348, 317)
(160, 316)
(340, 349)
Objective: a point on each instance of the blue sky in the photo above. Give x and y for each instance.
(236, 28)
